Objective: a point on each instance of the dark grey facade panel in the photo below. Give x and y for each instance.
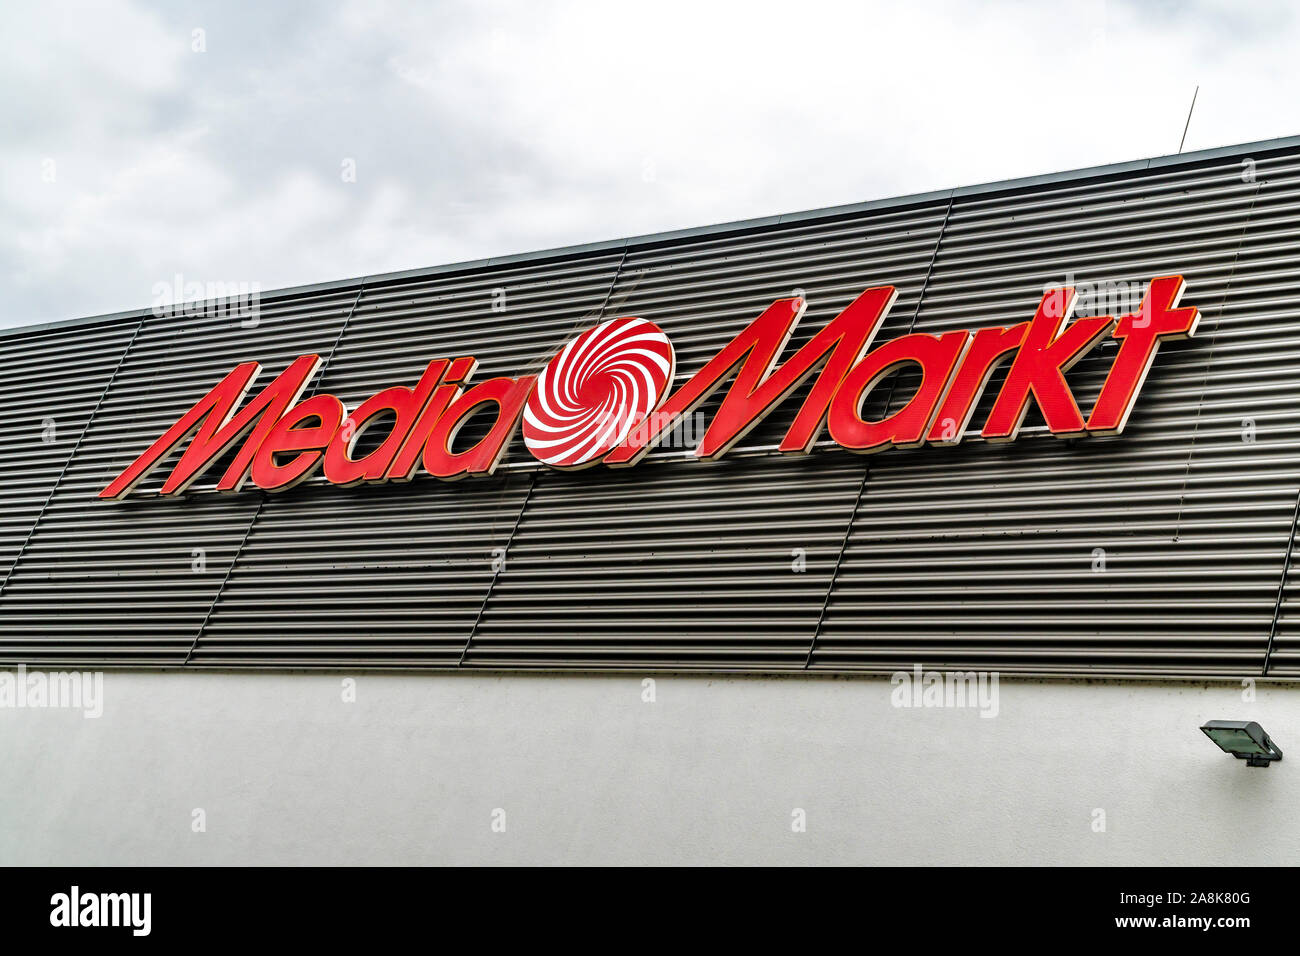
(722, 565)
(132, 581)
(1157, 553)
(394, 576)
(50, 385)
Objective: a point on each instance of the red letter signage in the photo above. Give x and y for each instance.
(607, 396)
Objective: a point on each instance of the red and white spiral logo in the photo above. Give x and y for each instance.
(601, 384)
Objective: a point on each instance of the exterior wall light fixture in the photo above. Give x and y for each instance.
(1245, 740)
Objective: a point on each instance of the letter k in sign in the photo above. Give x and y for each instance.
(1039, 369)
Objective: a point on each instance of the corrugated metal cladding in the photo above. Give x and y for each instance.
(1164, 551)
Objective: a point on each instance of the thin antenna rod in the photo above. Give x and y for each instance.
(1189, 119)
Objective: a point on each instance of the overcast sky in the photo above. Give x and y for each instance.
(135, 148)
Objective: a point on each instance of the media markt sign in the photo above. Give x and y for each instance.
(604, 397)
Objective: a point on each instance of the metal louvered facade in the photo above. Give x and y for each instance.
(1165, 551)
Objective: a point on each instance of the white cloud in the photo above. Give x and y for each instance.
(482, 129)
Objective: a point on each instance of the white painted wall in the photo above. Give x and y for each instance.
(587, 773)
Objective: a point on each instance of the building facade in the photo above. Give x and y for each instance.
(688, 660)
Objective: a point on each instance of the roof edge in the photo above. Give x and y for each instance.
(720, 229)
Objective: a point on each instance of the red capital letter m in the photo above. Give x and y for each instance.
(215, 431)
(761, 385)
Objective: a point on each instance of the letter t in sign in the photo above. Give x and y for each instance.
(1140, 334)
